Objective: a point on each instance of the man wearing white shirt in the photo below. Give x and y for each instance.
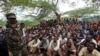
(22, 28)
(63, 40)
(54, 46)
(34, 44)
(23, 32)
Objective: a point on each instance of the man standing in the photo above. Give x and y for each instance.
(23, 31)
(12, 35)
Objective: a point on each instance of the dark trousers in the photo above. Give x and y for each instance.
(98, 48)
(3, 47)
(3, 51)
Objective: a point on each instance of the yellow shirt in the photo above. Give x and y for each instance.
(84, 52)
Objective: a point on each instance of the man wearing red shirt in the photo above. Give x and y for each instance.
(98, 37)
(98, 40)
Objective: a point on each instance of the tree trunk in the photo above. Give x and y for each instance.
(58, 16)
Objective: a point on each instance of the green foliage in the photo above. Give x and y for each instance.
(91, 0)
(2, 23)
(29, 23)
(30, 3)
(44, 7)
(80, 12)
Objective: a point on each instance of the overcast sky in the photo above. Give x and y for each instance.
(62, 6)
(67, 6)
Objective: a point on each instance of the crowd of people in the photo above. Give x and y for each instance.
(57, 38)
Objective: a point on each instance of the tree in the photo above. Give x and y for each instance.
(80, 12)
(92, 7)
(42, 7)
(93, 3)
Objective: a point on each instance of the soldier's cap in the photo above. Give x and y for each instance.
(10, 16)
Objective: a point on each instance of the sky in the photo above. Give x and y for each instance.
(65, 5)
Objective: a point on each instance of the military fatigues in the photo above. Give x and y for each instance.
(14, 41)
(13, 35)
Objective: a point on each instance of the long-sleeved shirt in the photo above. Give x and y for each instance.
(34, 44)
(54, 45)
(44, 44)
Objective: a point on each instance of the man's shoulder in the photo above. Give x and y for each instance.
(96, 51)
(84, 49)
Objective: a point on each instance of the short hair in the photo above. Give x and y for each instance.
(91, 43)
(90, 36)
(21, 23)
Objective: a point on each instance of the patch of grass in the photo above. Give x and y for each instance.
(27, 23)
(2, 23)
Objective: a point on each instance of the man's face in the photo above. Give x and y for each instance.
(68, 43)
(35, 38)
(88, 38)
(90, 48)
(55, 38)
(14, 25)
(12, 20)
(74, 37)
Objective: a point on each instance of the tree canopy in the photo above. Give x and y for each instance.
(80, 12)
(93, 6)
(43, 7)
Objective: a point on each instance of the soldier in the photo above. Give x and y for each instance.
(12, 35)
(11, 19)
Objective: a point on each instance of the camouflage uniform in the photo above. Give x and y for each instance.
(13, 36)
(14, 41)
